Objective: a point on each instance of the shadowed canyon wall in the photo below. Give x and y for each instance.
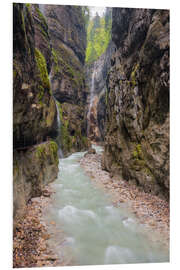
(35, 161)
(68, 38)
(137, 126)
(96, 74)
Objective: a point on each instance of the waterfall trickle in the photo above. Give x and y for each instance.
(60, 153)
(91, 101)
(58, 139)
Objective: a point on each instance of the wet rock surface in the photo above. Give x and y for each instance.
(35, 161)
(32, 170)
(151, 211)
(137, 125)
(96, 115)
(68, 39)
(34, 110)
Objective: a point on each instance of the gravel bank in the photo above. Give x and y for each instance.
(150, 210)
(30, 238)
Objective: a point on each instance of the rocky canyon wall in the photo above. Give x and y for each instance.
(137, 126)
(35, 160)
(68, 39)
(96, 102)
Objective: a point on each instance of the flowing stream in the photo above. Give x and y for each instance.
(95, 231)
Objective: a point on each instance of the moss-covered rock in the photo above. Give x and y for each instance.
(32, 170)
(72, 139)
(137, 126)
(35, 160)
(34, 110)
(41, 63)
(68, 38)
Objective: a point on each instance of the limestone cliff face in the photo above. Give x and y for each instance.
(137, 136)
(35, 160)
(97, 110)
(68, 38)
(34, 111)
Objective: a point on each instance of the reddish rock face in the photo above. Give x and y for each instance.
(137, 136)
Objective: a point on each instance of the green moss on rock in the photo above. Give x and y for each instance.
(137, 153)
(40, 151)
(41, 16)
(54, 151)
(45, 149)
(40, 94)
(42, 67)
(133, 80)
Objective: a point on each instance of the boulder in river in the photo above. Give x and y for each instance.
(90, 152)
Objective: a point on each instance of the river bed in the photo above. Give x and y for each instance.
(88, 230)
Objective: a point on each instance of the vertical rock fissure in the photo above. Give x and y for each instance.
(90, 102)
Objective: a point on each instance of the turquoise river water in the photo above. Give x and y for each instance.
(95, 232)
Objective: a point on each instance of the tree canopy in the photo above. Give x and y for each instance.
(98, 35)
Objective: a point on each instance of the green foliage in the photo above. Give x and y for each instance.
(54, 151)
(40, 151)
(137, 154)
(28, 7)
(41, 63)
(43, 150)
(98, 36)
(133, 75)
(40, 94)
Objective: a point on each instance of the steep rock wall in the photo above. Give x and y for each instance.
(35, 160)
(137, 136)
(33, 108)
(96, 115)
(68, 38)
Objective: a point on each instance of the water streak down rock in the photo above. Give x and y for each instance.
(96, 75)
(137, 126)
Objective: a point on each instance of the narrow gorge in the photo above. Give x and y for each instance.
(90, 135)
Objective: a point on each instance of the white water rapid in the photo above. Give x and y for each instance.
(96, 232)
